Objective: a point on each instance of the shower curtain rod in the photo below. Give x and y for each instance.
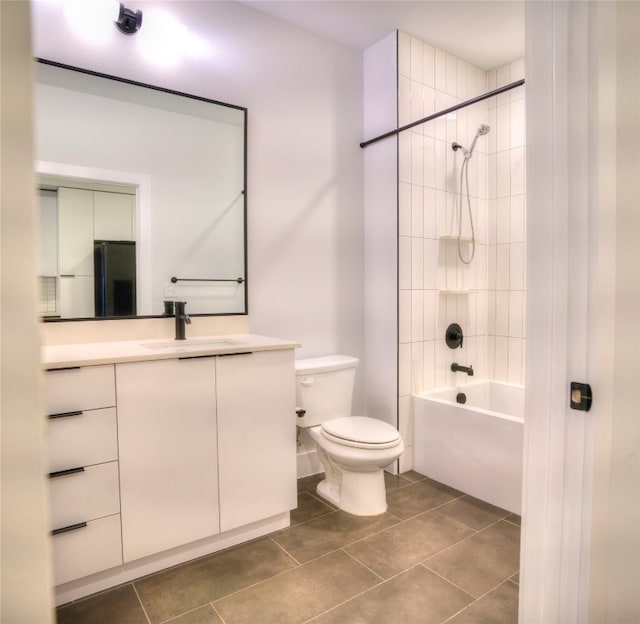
(446, 111)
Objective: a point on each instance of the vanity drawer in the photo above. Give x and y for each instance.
(82, 439)
(90, 493)
(85, 388)
(89, 548)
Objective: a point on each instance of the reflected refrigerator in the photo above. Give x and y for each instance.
(114, 264)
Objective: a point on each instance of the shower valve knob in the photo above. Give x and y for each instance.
(454, 336)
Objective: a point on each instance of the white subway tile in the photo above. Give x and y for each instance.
(441, 70)
(503, 220)
(404, 262)
(472, 317)
(404, 314)
(482, 356)
(417, 362)
(503, 173)
(514, 374)
(491, 357)
(492, 121)
(481, 313)
(462, 78)
(441, 124)
(441, 211)
(482, 219)
(417, 159)
(429, 215)
(404, 369)
(492, 166)
(517, 171)
(443, 375)
(429, 98)
(429, 162)
(429, 60)
(491, 267)
(417, 60)
(503, 78)
(502, 267)
(404, 209)
(441, 165)
(452, 67)
(429, 365)
(492, 220)
(404, 100)
(517, 123)
(501, 359)
(516, 313)
(404, 156)
(502, 312)
(417, 263)
(430, 273)
(516, 266)
(517, 218)
(503, 127)
(417, 210)
(430, 313)
(404, 54)
(417, 315)
(441, 318)
(491, 80)
(417, 105)
(491, 312)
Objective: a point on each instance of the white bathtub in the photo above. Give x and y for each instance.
(474, 447)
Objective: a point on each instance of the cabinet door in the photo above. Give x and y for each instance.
(75, 231)
(256, 436)
(113, 215)
(77, 297)
(167, 448)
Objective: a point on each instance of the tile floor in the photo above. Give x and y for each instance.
(436, 556)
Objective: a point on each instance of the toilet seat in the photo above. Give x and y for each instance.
(361, 432)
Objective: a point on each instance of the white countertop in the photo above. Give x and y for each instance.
(93, 353)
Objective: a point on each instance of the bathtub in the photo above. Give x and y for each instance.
(475, 447)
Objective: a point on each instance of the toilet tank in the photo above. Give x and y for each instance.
(324, 388)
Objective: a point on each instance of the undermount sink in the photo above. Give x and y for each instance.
(192, 343)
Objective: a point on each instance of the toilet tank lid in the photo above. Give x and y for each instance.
(324, 364)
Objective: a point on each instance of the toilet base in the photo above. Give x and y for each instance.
(357, 493)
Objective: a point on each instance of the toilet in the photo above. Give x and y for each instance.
(354, 450)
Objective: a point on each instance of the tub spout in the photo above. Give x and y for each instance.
(458, 368)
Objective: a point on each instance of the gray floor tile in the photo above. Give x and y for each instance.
(181, 589)
(118, 606)
(419, 497)
(482, 561)
(473, 512)
(412, 475)
(393, 482)
(203, 615)
(309, 484)
(499, 606)
(309, 507)
(329, 532)
(404, 545)
(417, 596)
(300, 594)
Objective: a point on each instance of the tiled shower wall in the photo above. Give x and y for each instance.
(487, 296)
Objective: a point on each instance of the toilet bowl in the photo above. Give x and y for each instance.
(353, 450)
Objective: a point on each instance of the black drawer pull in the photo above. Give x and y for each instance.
(71, 527)
(63, 473)
(65, 415)
(64, 368)
(232, 354)
(196, 357)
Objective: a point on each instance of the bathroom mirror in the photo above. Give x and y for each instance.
(142, 198)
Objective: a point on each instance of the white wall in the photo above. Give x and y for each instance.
(304, 100)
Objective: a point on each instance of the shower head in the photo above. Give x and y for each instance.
(482, 130)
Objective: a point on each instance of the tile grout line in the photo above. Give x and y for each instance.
(284, 550)
(217, 612)
(135, 589)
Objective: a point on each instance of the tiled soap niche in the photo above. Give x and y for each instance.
(486, 297)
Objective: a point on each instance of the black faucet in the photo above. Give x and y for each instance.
(182, 319)
(458, 368)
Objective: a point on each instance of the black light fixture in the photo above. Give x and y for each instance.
(128, 21)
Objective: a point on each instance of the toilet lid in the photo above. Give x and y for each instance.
(360, 432)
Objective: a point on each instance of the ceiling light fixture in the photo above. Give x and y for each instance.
(128, 21)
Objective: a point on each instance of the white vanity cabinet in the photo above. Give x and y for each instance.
(83, 470)
(256, 436)
(168, 453)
